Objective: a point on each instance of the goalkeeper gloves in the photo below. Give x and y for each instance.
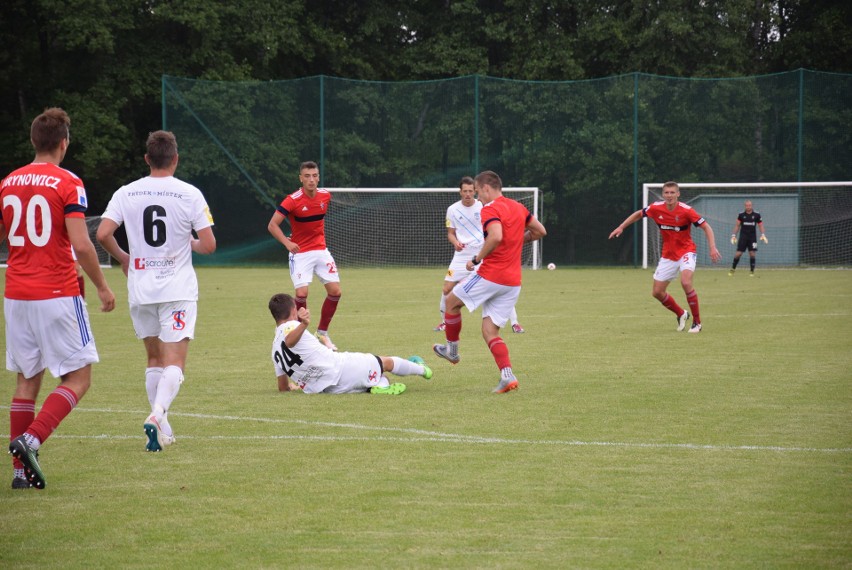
(763, 238)
(733, 239)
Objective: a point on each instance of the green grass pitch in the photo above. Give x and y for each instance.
(628, 445)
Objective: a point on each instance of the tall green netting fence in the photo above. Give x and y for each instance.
(587, 145)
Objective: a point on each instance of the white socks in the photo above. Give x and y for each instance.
(152, 379)
(162, 385)
(403, 367)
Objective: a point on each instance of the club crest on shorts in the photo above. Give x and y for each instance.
(179, 320)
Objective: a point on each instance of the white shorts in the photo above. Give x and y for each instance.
(457, 271)
(303, 266)
(51, 334)
(667, 269)
(170, 322)
(497, 301)
(360, 372)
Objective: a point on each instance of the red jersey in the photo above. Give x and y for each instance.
(307, 218)
(35, 201)
(503, 264)
(674, 227)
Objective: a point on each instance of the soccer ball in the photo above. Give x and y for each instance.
(551, 266)
(416, 360)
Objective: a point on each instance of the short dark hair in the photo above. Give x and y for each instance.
(161, 149)
(490, 178)
(465, 180)
(49, 129)
(308, 165)
(280, 305)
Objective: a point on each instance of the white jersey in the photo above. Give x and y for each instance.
(159, 214)
(315, 368)
(467, 222)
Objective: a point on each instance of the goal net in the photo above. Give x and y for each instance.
(92, 223)
(374, 227)
(808, 224)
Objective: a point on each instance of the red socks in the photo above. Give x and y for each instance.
(453, 326)
(692, 299)
(58, 404)
(21, 415)
(329, 306)
(301, 302)
(672, 305)
(500, 352)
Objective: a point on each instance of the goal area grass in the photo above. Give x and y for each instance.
(627, 445)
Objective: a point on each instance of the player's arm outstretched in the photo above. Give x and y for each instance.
(632, 218)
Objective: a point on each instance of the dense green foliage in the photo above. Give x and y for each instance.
(103, 62)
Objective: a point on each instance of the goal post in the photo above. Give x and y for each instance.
(807, 223)
(376, 227)
(92, 223)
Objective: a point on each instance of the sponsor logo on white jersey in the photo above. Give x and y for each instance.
(142, 263)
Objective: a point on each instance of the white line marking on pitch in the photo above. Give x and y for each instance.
(429, 436)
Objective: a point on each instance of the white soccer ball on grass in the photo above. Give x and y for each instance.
(551, 266)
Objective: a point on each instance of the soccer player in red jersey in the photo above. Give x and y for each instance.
(47, 324)
(496, 284)
(674, 219)
(305, 211)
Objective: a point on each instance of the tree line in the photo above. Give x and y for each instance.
(103, 61)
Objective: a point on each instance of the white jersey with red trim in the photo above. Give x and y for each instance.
(159, 215)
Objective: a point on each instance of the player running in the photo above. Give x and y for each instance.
(464, 231)
(305, 211)
(507, 225)
(674, 219)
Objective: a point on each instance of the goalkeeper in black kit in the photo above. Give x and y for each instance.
(747, 224)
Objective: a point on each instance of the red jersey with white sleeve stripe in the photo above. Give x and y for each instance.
(674, 227)
(306, 216)
(35, 201)
(503, 264)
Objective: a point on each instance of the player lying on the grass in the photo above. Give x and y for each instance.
(300, 359)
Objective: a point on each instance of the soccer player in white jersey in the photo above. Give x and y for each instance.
(464, 231)
(302, 362)
(159, 213)
(42, 213)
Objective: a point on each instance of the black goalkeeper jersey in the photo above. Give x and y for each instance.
(748, 223)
